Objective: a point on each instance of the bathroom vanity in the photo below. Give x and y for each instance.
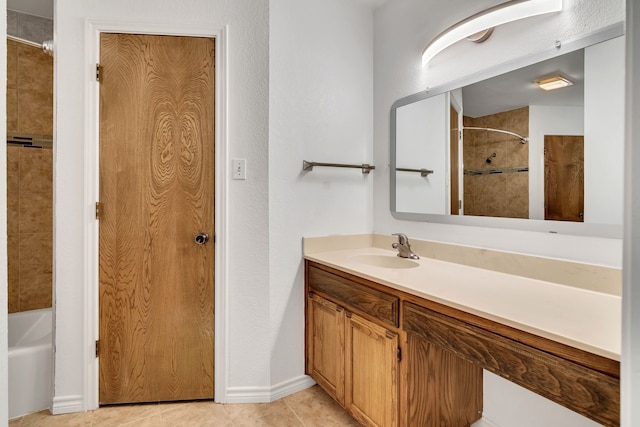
(402, 342)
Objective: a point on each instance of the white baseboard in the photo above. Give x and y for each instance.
(268, 394)
(67, 404)
(291, 386)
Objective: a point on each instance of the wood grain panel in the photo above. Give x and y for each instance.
(371, 373)
(564, 178)
(371, 301)
(325, 345)
(156, 189)
(443, 389)
(583, 390)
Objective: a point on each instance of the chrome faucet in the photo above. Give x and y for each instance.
(403, 247)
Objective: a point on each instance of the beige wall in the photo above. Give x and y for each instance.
(500, 194)
(29, 178)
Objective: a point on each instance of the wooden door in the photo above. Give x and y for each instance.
(157, 193)
(454, 161)
(371, 372)
(564, 178)
(325, 345)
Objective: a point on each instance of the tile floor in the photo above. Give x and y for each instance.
(308, 408)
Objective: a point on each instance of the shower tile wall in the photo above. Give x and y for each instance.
(501, 194)
(29, 178)
(29, 90)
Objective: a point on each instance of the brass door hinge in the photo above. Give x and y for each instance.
(98, 210)
(97, 348)
(399, 354)
(99, 73)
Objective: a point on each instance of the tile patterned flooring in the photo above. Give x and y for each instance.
(309, 408)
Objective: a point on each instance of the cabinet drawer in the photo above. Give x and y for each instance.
(380, 305)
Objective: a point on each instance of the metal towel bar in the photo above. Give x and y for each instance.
(423, 172)
(308, 166)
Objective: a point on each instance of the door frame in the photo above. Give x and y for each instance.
(93, 29)
(456, 105)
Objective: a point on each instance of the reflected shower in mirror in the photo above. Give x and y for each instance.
(505, 147)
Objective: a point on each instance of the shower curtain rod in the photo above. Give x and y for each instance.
(27, 42)
(522, 139)
(47, 46)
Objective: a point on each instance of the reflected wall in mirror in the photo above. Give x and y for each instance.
(505, 148)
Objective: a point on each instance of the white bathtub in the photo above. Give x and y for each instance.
(30, 361)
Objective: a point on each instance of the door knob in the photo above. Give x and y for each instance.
(202, 238)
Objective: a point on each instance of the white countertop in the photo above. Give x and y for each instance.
(580, 318)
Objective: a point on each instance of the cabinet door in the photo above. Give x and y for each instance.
(325, 345)
(371, 373)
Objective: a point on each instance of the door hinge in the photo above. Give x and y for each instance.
(399, 354)
(97, 348)
(98, 210)
(99, 73)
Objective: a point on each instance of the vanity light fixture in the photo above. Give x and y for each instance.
(487, 19)
(553, 82)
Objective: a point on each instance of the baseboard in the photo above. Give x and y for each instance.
(268, 394)
(291, 386)
(67, 404)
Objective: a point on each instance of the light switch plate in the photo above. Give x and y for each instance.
(239, 168)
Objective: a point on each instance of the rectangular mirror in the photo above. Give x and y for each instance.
(501, 151)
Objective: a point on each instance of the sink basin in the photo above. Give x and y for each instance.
(385, 261)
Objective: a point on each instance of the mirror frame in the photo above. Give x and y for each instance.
(558, 227)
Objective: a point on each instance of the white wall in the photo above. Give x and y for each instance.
(421, 145)
(546, 120)
(402, 29)
(604, 131)
(320, 109)
(4, 396)
(247, 261)
(630, 364)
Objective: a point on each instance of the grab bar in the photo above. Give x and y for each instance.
(423, 172)
(308, 166)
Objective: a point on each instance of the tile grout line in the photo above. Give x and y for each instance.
(224, 407)
(294, 413)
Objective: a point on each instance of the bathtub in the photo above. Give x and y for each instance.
(30, 361)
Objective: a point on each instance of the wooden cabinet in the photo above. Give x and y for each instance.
(442, 389)
(354, 348)
(357, 330)
(354, 361)
(371, 372)
(325, 345)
